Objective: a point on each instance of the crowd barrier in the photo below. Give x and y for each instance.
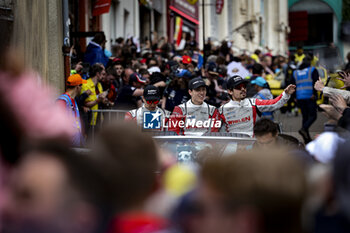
(105, 116)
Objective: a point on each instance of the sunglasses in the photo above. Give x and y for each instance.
(152, 101)
(239, 87)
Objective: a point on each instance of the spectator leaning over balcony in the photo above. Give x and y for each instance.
(74, 86)
(239, 115)
(196, 111)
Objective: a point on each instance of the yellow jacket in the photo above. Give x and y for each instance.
(91, 86)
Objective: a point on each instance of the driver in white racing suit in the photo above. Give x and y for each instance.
(151, 98)
(239, 114)
(195, 117)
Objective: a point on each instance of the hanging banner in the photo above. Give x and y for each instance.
(219, 6)
(101, 7)
(192, 1)
(178, 30)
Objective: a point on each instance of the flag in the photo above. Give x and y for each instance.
(178, 30)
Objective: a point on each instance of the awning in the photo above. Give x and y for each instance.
(193, 20)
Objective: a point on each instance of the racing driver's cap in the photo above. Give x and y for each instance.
(151, 93)
(195, 83)
(235, 81)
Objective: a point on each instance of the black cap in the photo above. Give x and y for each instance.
(195, 83)
(151, 93)
(170, 64)
(212, 68)
(235, 81)
(136, 77)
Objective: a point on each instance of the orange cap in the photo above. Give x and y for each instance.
(75, 80)
(186, 59)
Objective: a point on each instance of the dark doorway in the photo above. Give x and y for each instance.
(320, 29)
(310, 29)
(145, 24)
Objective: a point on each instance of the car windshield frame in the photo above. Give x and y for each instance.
(186, 149)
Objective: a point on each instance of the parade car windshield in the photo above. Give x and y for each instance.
(188, 149)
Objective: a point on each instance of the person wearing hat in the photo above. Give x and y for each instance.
(212, 75)
(176, 91)
(240, 113)
(186, 60)
(74, 86)
(263, 93)
(194, 112)
(130, 95)
(187, 64)
(150, 98)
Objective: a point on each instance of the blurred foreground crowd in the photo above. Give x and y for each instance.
(127, 184)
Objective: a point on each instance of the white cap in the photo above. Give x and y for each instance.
(324, 147)
(153, 69)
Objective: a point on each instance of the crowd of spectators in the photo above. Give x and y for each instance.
(131, 66)
(126, 183)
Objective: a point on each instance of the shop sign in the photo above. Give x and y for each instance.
(101, 7)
